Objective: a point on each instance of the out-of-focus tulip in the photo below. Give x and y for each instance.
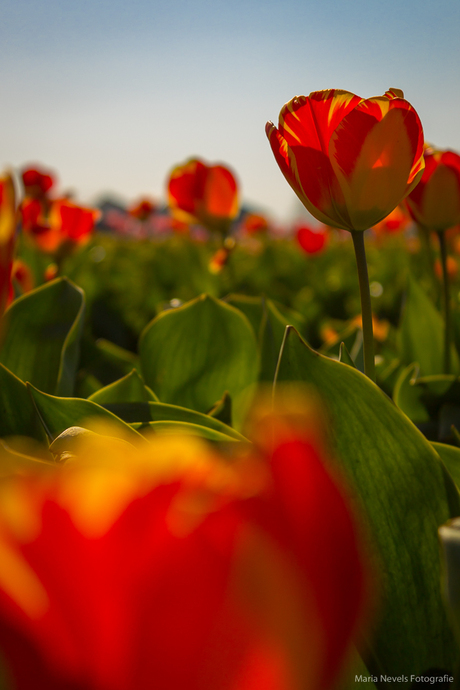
(451, 265)
(350, 160)
(168, 566)
(22, 275)
(205, 194)
(143, 209)
(397, 221)
(435, 202)
(57, 222)
(254, 223)
(51, 272)
(37, 183)
(8, 219)
(311, 241)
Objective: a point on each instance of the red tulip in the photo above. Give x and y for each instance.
(8, 218)
(349, 160)
(435, 202)
(168, 566)
(206, 194)
(57, 221)
(37, 183)
(311, 241)
(142, 210)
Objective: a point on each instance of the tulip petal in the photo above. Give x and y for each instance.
(373, 159)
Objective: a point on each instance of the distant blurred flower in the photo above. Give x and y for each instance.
(381, 327)
(311, 241)
(397, 221)
(143, 209)
(8, 219)
(349, 160)
(435, 202)
(59, 221)
(51, 272)
(166, 566)
(37, 183)
(254, 223)
(452, 267)
(22, 275)
(206, 194)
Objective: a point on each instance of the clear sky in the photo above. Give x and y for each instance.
(113, 93)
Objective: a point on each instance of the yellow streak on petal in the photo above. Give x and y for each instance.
(20, 583)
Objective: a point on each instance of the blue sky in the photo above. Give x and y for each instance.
(112, 94)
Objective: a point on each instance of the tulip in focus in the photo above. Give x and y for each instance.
(435, 202)
(350, 160)
(205, 194)
(169, 566)
(311, 241)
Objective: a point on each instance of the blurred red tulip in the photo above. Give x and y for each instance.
(166, 566)
(350, 161)
(254, 223)
(435, 202)
(311, 241)
(206, 194)
(397, 221)
(37, 183)
(8, 219)
(57, 221)
(143, 209)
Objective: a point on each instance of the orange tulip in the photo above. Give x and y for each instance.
(166, 566)
(435, 202)
(58, 221)
(8, 218)
(206, 194)
(350, 161)
(254, 223)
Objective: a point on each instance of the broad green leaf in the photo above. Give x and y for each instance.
(188, 428)
(19, 457)
(42, 334)
(401, 484)
(407, 396)
(58, 414)
(269, 325)
(18, 416)
(421, 333)
(128, 389)
(191, 355)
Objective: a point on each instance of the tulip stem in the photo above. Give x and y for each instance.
(446, 300)
(366, 307)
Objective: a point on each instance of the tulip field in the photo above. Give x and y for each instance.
(230, 448)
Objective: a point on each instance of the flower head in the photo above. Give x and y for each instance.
(8, 218)
(435, 202)
(37, 183)
(206, 194)
(349, 160)
(169, 566)
(311, 241)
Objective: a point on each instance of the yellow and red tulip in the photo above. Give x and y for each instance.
(168, 566)
(350, 160)
(435, 202)
(205, 194)
(55, 222)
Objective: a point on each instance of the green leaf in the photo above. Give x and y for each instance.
(222, 409)
(173, 413)
(269, 325)
(450, 455)
(20, 458)
(191, 355)
(401, 484)
(344, 356)
(188, 428)
(421, 333)
(42, 335)
(18, 416)
(408, 397)
(58, 414)
(128, 389)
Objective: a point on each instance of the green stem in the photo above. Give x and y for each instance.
(366, 308)
(446, 301)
